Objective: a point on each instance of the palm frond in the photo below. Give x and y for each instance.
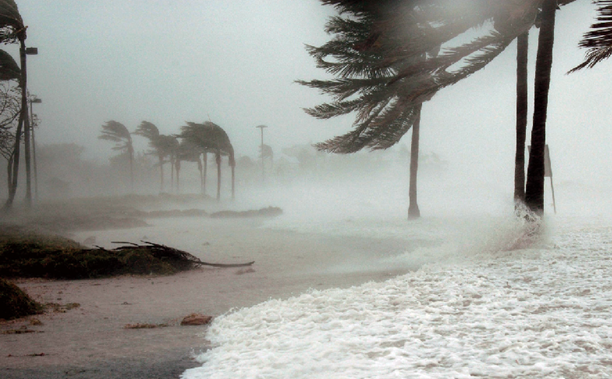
(598, 41)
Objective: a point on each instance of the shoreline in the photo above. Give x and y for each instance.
(90, 341)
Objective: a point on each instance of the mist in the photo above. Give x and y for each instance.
(342, 239)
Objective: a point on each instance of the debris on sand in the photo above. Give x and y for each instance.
(144, 326)
(179, 258)
(196, 319)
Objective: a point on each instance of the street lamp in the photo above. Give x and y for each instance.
(34, 100)
(263, 175)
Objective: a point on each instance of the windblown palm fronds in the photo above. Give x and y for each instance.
(117, 132)
(598, 41)
(389, 57)
(9, 70)
(11, 23)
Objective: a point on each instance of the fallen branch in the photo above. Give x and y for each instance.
(169, 253)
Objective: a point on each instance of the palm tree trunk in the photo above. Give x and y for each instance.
(9, 173)
(15, 165)
(218, 159)
(161, 172)
(233, 166)
(205, 163)
(534, 194)
(131, 153)
(521, 117)
(172, 173)
(178, 172)
(413, 209)
(34, 158)
(26, 124)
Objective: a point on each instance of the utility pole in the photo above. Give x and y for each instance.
(26, 121)
(34, 100)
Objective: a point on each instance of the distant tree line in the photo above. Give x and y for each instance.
(192, 144)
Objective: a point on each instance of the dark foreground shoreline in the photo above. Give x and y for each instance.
(169, 366)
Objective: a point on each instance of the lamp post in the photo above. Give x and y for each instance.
(34, 100)
(263, 175)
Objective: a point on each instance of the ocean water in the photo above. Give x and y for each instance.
(489, 297)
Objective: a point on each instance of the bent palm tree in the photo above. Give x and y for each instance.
(378, 55)
(117, 132)
(210, 137)
(13, 30)
(161, 145)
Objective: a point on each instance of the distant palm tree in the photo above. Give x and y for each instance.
(161, 145)
(117, 132)
(210, 137)
(187, 152)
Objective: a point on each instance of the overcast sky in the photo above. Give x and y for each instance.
(234, 62)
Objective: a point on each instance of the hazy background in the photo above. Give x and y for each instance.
(235, 63)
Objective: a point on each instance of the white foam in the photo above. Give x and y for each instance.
(538, 312)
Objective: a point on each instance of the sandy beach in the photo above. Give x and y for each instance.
(91, 341)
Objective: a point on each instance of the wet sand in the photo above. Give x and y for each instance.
(91, 342)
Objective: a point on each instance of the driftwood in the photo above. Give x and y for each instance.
(170, 253)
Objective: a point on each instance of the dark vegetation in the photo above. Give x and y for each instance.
(15, 303)
(28, 254)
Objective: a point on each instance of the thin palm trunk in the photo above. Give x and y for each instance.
(34, 160)
(521, 117)
(15, 165)
(9, 173)
(205, 163)
(26, 124)
(413, 209)
(131, 153)
(201, 170)
(233, 182)
(178, 172)
(534, 194)
(161, 172)
(172, 173)
(218, 159)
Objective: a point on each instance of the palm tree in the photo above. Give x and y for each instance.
(188, 152)
(13, 30)
(10, 109)
(161, 145)
(383, 115)
(210, 137)
(534, 191)
(383, 75)
(117, 132)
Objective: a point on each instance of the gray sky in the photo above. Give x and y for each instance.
(170, 61)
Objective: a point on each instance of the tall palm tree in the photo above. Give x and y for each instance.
(117, 132)
(12, 29)
(10, 110)
(390, 79)
(534, 190)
